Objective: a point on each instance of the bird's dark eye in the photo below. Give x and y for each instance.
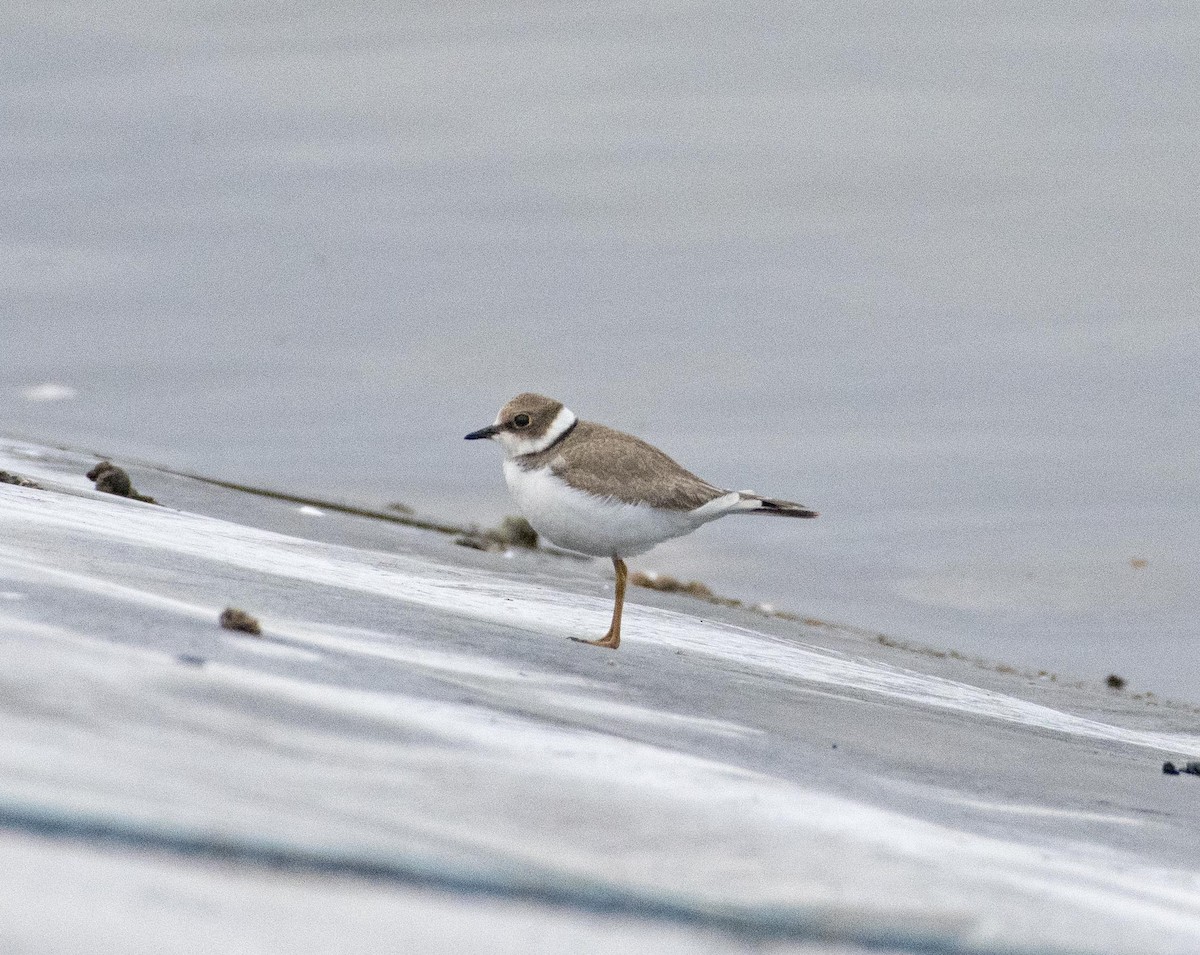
(521, 420)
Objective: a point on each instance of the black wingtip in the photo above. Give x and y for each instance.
(785, 509)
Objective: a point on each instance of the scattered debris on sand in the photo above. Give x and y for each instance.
(694, 588)
(512, 532)
(477, 542)
(234, 619)
(393, 514)
(7, 477)
(673, 585)
(1114, 682)
(114, 480)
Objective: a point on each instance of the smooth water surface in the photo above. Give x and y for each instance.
(931, 271)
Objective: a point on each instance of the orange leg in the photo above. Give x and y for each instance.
(612, 639)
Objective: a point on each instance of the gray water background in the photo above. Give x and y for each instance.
(930, 269)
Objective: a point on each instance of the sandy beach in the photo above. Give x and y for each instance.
(412, 752)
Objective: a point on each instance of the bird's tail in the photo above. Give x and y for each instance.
(755, 504)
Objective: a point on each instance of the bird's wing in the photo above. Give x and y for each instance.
(590, 458)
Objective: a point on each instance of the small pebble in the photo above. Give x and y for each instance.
(6, 477)
(512, 532)
(233, 619)
(114, 480)
(517, 531)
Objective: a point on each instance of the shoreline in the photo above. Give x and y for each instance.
(411, 699)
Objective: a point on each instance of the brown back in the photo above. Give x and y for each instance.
(609, 463)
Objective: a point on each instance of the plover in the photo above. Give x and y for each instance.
(601, 492)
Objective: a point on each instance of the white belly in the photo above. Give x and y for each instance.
(591, 525)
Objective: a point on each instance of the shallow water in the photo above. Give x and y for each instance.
(930, 273)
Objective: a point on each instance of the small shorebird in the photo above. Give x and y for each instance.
(604, 493)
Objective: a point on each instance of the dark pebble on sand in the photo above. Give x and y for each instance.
(234, 619)
(7, 477)
(114, 480)
(512, 532)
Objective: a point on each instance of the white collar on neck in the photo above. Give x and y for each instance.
(516, 445)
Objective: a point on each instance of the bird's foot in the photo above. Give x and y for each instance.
(610, 640)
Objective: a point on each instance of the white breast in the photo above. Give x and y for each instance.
(592, 525)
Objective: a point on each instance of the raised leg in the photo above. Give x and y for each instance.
(612, 639)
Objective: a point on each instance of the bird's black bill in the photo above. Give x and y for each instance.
(482, 433)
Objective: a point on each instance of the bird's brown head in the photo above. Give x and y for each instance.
(528, 424)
